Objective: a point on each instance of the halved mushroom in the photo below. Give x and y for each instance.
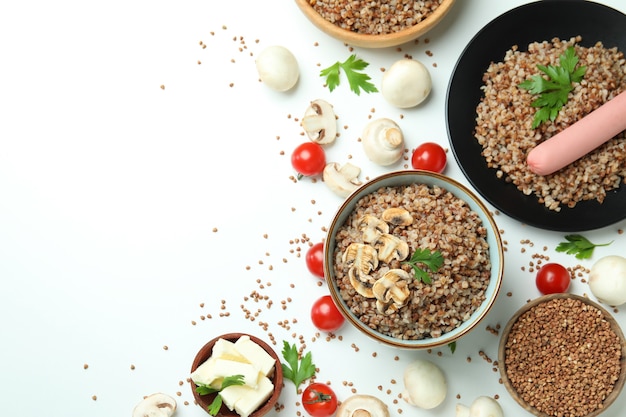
(371, 227)
(155, 405)
(397, 216)
(361, 259)
(392, 290)
(383, 141)
(319, 122)
(360, 405)
(391, 247)
(341, 180)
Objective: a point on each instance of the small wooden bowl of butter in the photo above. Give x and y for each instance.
(245, 358)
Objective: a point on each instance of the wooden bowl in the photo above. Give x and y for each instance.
(551, 336)
(375, 41)
(277, 378)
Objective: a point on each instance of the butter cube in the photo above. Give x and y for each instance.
(255, 354)
(224, 367)
(253, 399)
(204, 373)
(225, 349)
(233, 393)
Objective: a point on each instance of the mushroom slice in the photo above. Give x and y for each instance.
(397, 216)
(341, 180)
(371, 227)
(360, 256)
(392, 290)
(361, 283)
(360, 405)
(319, 122)
(155, 405)
(391, 247)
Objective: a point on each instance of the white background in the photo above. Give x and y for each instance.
(129, 211)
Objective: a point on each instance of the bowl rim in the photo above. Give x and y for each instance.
(205, 352)
(375, 41)
(405, 177)
(619, 384)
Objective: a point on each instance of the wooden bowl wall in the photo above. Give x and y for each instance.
(619, 384)
(375, 41)
(277, 378)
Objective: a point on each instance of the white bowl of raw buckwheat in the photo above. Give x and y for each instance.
(413, 259)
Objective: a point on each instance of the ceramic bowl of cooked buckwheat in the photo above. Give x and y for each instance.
(377, 24)
(563, 355)
(413, 259)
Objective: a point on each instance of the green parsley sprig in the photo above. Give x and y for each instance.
(579, 245)
(553, 91)
(432, 260)
(297, 369)
(351, 67)
(216, 404)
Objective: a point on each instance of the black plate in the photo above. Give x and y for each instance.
(538, 21)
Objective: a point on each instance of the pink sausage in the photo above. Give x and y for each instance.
(580, 138)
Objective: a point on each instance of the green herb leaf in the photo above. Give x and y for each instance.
(452, 346)
(296, 369)
(554, 90)
(432, 260)
(358, 80)
(216, 404)
(579, 245)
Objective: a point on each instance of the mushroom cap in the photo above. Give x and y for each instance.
(406, 83)
(277, 68)
(607, 280)
(361, 405)
(425, 384)
(383, 141)
(484, 406)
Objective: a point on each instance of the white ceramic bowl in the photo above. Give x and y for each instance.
(493, 239)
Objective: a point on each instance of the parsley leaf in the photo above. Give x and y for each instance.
(297, 369)
(553, 91)
(578, 245)
(432, 260)
(358, 80)
(216, 404)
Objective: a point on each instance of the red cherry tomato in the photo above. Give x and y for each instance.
(319, 400)
(552, 278)
(325, 315)
(308, 159)
(429, 156)
(315, 260)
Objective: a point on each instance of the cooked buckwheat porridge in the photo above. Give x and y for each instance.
(504, 119)
(375, 17)
(390, 224)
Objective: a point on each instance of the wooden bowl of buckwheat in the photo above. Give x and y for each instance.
(378, 25)
(563, 355)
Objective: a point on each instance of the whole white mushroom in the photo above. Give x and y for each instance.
(277, 68)
(607, 280)
(482, 406)
(406, 83)
(424, 384)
